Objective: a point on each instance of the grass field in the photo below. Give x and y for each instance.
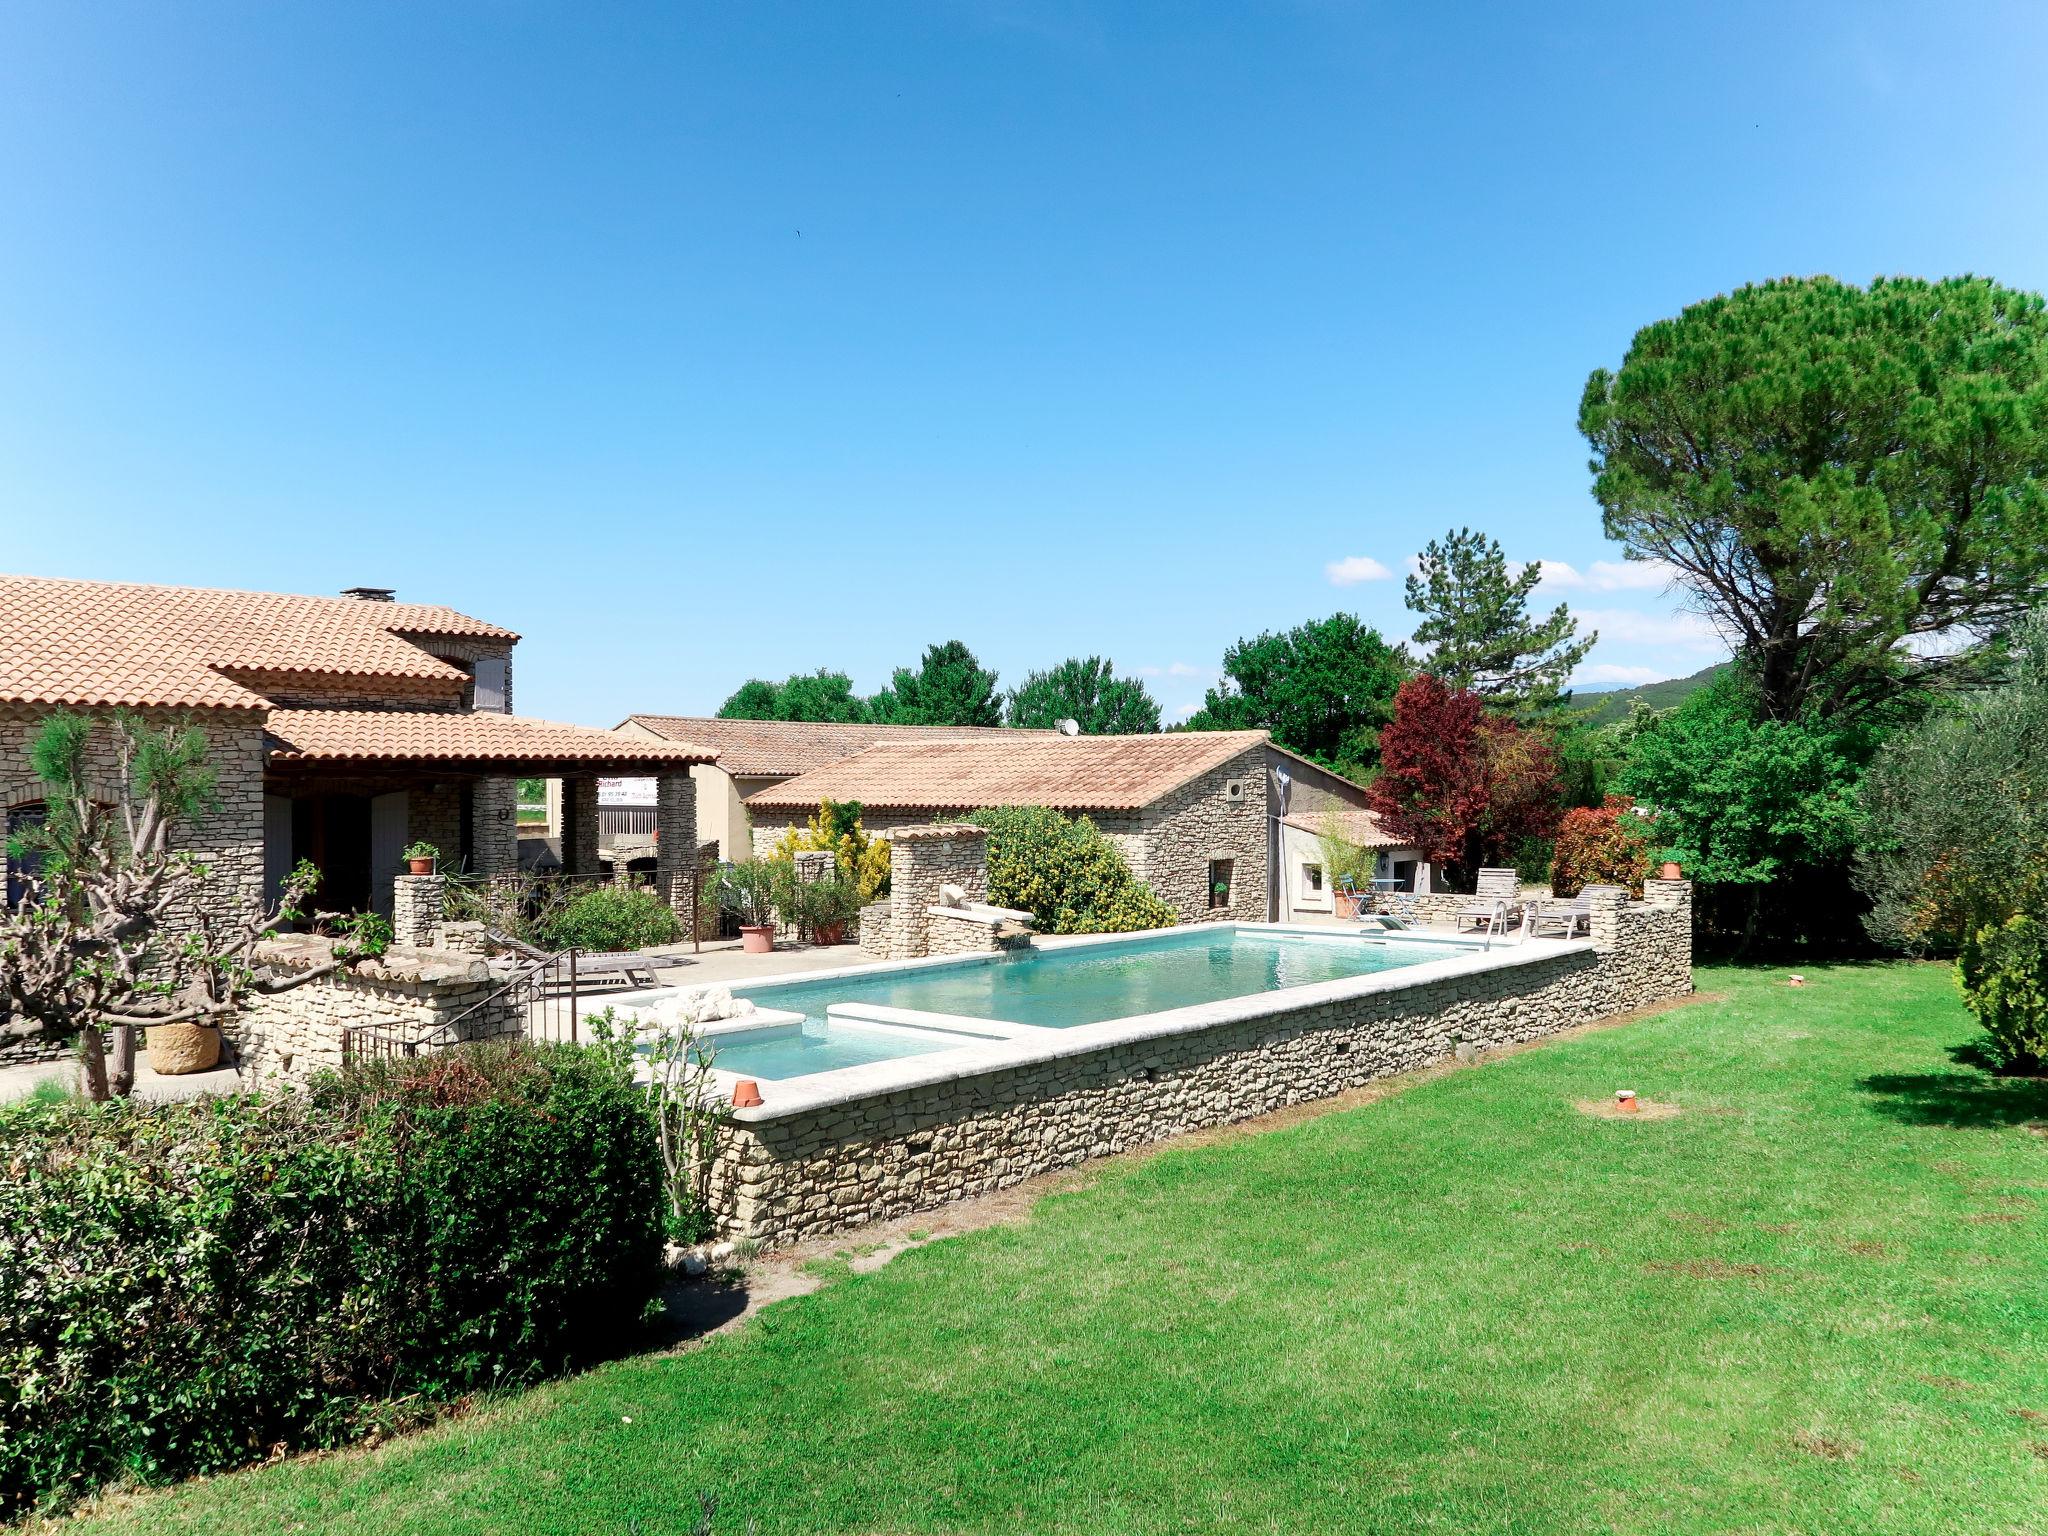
(1815, 1300)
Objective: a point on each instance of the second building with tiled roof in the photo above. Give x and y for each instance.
(1203, 817)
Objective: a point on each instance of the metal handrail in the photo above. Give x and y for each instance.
(530, 988)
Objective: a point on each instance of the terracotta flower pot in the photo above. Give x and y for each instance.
(830, 933)
(176, 1049)
(1347, 906)
(1670, 871)
(757, 940)
(745, 1093)
(419, 866)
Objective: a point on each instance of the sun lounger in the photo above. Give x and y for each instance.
(1495, 915)
(1567, 918)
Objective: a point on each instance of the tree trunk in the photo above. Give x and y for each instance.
(92, 1061)
(123, 1074)
(1749, 921)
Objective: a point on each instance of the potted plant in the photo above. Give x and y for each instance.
(419, 858)
(758, 891)
(1669, 870)
(828, 906)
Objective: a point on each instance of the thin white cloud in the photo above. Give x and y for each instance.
(1605, 576)
(1558, 575)
(1622, 627)
(1631, 575)
(1353, 569)
(1613, 672)
(1182, 711)
(1177, 669)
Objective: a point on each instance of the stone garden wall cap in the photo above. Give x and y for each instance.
(950, 831)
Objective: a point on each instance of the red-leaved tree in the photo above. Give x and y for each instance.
(1461, 785)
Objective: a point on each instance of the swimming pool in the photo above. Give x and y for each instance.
(774, 1052)
(1061, 988)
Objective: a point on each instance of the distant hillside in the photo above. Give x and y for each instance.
(1610, 705)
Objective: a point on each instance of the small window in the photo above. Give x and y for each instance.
(1233, 789)
(1312, 879)
(1219, 883)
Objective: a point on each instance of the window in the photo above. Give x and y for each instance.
(1219, 883)
(1311, 879)
(1233, 789)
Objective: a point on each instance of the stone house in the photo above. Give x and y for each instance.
(1312, 804)
(340, 729)
(1201, 816)
(754, 755)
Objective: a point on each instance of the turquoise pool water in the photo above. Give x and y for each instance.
(1059, 989)
(794, 1051)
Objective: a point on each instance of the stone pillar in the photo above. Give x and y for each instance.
(921, 860)
(675, 839)
(579, 827)
(494, 826)
(1671, 895)
(1605, 903)
(463, 938)
(417, 905)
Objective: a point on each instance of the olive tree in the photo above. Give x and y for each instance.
(109, 936)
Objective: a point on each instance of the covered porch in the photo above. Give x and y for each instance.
(352, 789)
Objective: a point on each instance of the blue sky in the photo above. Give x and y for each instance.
(714, 340)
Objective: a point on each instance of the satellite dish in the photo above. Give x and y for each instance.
(1070, 727)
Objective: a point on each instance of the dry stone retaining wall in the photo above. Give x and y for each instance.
(406, 993)
(842, 1164)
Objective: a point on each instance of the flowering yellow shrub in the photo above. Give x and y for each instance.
(836, 829)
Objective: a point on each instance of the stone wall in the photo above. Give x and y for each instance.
(494, 826)
(433, 814)
(1437, 907)
(824, 1168)
(676, 856)
(418, 903)
(228, 838)
(406, 994)
(1202, 821)
(922, 860)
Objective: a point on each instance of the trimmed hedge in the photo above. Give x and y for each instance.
(188, 1287)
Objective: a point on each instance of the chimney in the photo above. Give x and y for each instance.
(370, 594)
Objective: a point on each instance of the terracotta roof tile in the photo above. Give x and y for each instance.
(501, 741)
(105, 642)
(1081, 773)
(767, 748)
(1354, 823)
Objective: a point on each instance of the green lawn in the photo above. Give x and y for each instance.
(1815, 1301)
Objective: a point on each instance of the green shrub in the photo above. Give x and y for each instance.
(2003, 973)
(608, 917)
(191, 1285)
(1065, 873)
